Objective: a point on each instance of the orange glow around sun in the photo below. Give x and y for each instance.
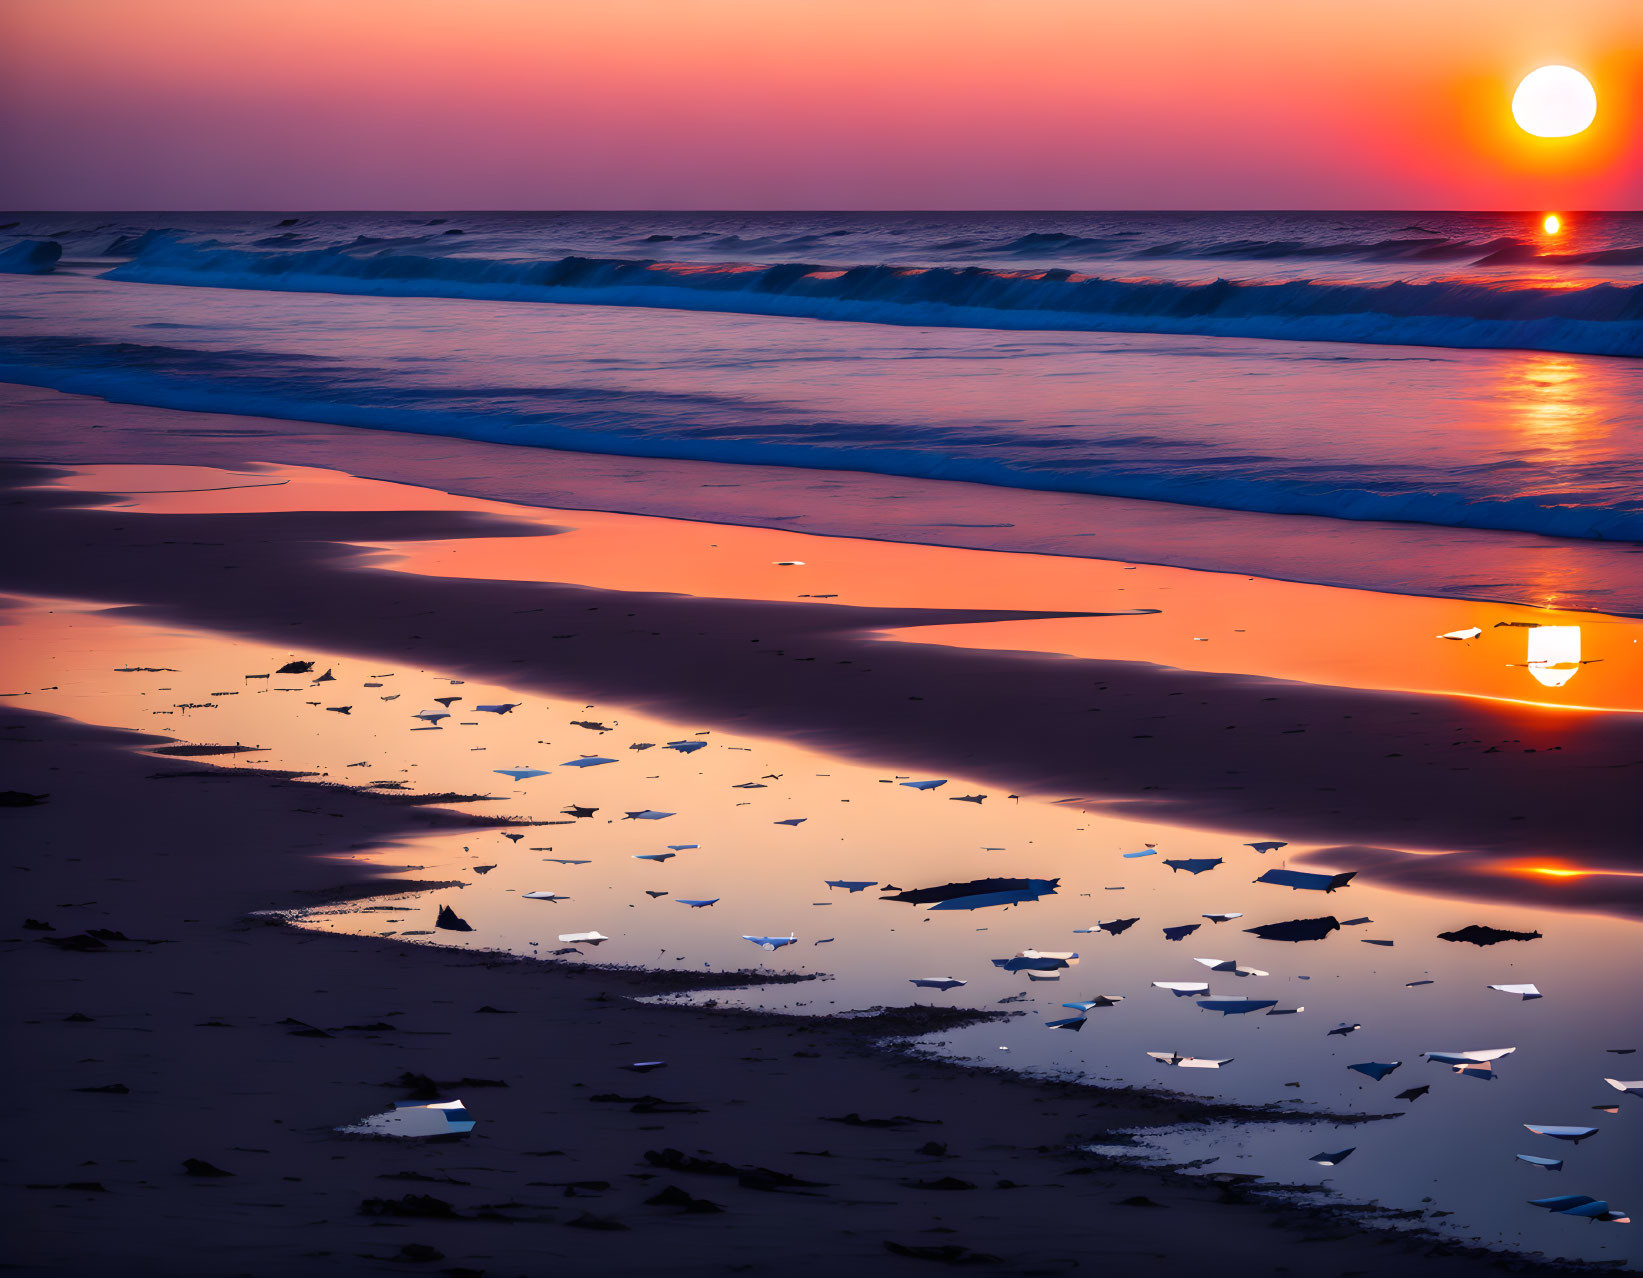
(815, 104)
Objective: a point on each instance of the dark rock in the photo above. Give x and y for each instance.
(449, 920)
(673, 1196)
(84, 943)
(899, 1120)
(761, 1178)
(1478, 934)
(413, 1206)
(587, 1220)
(420, 1086)
(418, 1254)
(20, 799)
(1297, 929)
(677, 1160)
(947, 1253)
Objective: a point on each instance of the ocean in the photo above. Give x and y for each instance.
(1462, 370)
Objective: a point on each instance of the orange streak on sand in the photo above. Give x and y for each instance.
(1205, 621)
(1562, 870)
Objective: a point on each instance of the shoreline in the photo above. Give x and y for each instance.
(1395, 558)
(992, 1126)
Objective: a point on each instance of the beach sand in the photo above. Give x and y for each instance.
(1222, 749)
(1446, 778)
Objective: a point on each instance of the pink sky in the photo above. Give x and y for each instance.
(769, 104)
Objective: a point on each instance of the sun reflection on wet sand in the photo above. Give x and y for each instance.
(1554, 654)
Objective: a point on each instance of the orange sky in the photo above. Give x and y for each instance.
(919, 104)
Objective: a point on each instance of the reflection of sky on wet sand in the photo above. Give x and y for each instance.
(1456, 1144)
(1210, 621)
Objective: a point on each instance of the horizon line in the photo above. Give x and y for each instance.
(1048, 212)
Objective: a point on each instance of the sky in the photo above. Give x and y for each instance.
(808, 104)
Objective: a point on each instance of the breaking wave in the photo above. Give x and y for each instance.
(626, 421)
(30, 257)
(1593, 319)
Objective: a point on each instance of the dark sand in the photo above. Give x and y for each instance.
(193, 1019)
(174, 850)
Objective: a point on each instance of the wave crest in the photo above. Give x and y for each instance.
(1597, 319)
(30, 257)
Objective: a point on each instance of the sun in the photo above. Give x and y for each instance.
(1554, 102)
(1553, 224)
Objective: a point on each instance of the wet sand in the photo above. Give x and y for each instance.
(1433, 787)
(1469, 777)
(240, 1043)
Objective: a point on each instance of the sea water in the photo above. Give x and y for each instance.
(1457, 370)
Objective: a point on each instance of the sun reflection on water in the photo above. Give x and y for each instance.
(1554, 416)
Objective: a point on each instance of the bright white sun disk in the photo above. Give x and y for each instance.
(1554, 102)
